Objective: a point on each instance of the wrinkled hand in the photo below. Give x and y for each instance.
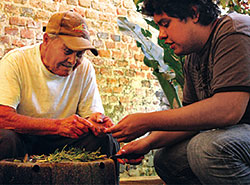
(73, 126)
(100, 123)
(135, 148)
(129, 128)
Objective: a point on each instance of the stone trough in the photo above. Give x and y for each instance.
(100, 172)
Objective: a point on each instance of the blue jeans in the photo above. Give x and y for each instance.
(219, 156)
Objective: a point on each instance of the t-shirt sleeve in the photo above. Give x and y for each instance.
(189, 94)
(90, 100)
(231, 70)
(9, 81)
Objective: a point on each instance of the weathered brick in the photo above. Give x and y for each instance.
(104, 53)
(139, 57)
(43, 15)
(105, 71)
(115, 38)
(130, 73)
(107, 90)
(122, 63)
(96, 5)
(98, 61)
(144, 67)
(5, 39)
(33, 24)
(113, 99)
(110, 45)
(50, 6)
(10, 8)
(124, 81)
(118, 72)
(36, 3)
(21, 1)
(92, 14)
(108, 8)
(27, 33)
(39, 35)
(18, 43)
(19, 21)
(72, 2)
(127, 39)
(150, 76)
(104, 98)
(2, 17)
(11, 30)
(117, 54)
(85, 3)
(122, 46)
(146, 83)
(124, 99)
(27, 12)
(117, 89)
(140, 74)
(102, 35)
(111, 81)
(64, 7)
(133, 66)
(98, 43)
(105, 17)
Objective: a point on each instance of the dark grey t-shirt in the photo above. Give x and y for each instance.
(223, 65)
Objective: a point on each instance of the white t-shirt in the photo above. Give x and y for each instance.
(27, 86)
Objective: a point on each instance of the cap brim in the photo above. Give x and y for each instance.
(78, 43)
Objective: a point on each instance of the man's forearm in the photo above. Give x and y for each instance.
(11, 120)
(158, 139)
(221, 110)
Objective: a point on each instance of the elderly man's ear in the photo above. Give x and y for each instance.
(46, 38)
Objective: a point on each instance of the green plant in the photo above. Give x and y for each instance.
(167, 67)
(69, 155)
(240, 6)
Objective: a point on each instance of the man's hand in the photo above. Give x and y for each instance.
(137, 149)
(100, 123)
(73, 126)
(130, 127)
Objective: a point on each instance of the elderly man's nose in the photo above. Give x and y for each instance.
(72, 58)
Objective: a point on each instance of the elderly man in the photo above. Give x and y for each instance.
(49, 96)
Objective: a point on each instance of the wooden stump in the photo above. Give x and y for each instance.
(68, 173)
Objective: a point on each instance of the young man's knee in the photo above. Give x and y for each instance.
(207, 152)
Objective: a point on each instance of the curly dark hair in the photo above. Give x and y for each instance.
(183, 9)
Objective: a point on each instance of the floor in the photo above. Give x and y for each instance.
(143, 180)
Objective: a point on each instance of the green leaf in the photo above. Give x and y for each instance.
(168, 89)
(161, 59)
(152, 23)
(150, 49)
(146, 33)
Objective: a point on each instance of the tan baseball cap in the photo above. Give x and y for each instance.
(72, 28)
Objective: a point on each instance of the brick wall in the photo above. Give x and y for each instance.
(125, 83)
